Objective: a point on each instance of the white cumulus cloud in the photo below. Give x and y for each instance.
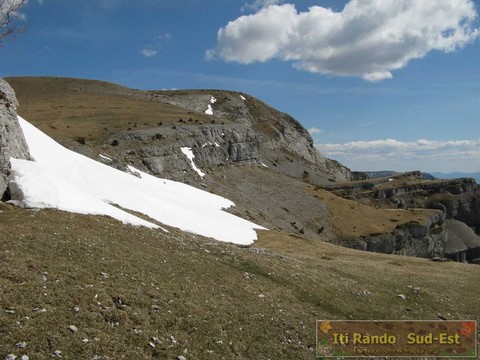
(400, 150)
(368, 38)
(391, 154)
(259, 4)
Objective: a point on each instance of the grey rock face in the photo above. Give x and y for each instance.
(463, 243)
(12, 141)
(159, 149)
(243, 131)
(426, 240)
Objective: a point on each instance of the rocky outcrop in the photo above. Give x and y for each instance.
(273, 138)
(150, 136)
(425, 240)
(159, 149)
(458, 199)
(463, 244)
(12, 141)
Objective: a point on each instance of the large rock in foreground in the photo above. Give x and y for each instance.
(463, 244)
(12, 141)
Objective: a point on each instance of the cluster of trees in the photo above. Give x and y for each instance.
(9, 17)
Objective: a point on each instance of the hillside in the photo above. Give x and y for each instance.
(148, 127)
(124, 288)
(457, 175)
(188, 163)
(260, 158)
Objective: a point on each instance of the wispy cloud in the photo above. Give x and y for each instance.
(315, 131)
(368, 123)
(387, 154)
(394, 149)
(148, 52)
(368, 39)
(154, 47)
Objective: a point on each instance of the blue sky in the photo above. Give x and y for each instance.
(382, 85)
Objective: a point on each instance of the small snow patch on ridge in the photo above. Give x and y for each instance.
(189, 154)
(209, 110)
(105, 157)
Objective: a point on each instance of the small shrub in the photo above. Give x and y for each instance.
(81, 140)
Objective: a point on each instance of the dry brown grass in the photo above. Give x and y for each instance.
(133, 284)
(353, 219)
(72, 108)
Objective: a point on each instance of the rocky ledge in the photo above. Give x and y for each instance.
(426, 240)
(12, 141)
(458, 199)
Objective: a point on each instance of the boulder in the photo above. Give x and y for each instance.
(12, 141)
(463, 243)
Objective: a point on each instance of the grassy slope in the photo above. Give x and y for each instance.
(203, 293)
(353, 219)
(132, 284)
(67, 109)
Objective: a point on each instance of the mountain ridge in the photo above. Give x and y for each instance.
(91, 287)
(211, 139)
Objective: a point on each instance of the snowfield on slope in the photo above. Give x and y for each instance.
(62, 179)
(190, 156)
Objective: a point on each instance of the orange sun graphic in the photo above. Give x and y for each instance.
(325, 327)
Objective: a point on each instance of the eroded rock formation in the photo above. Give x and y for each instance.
(12, 141)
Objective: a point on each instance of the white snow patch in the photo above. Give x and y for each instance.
(62, 179)
(242, 97)
(189, 154)
(209, 143)
(209, 110)
(105, 157)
